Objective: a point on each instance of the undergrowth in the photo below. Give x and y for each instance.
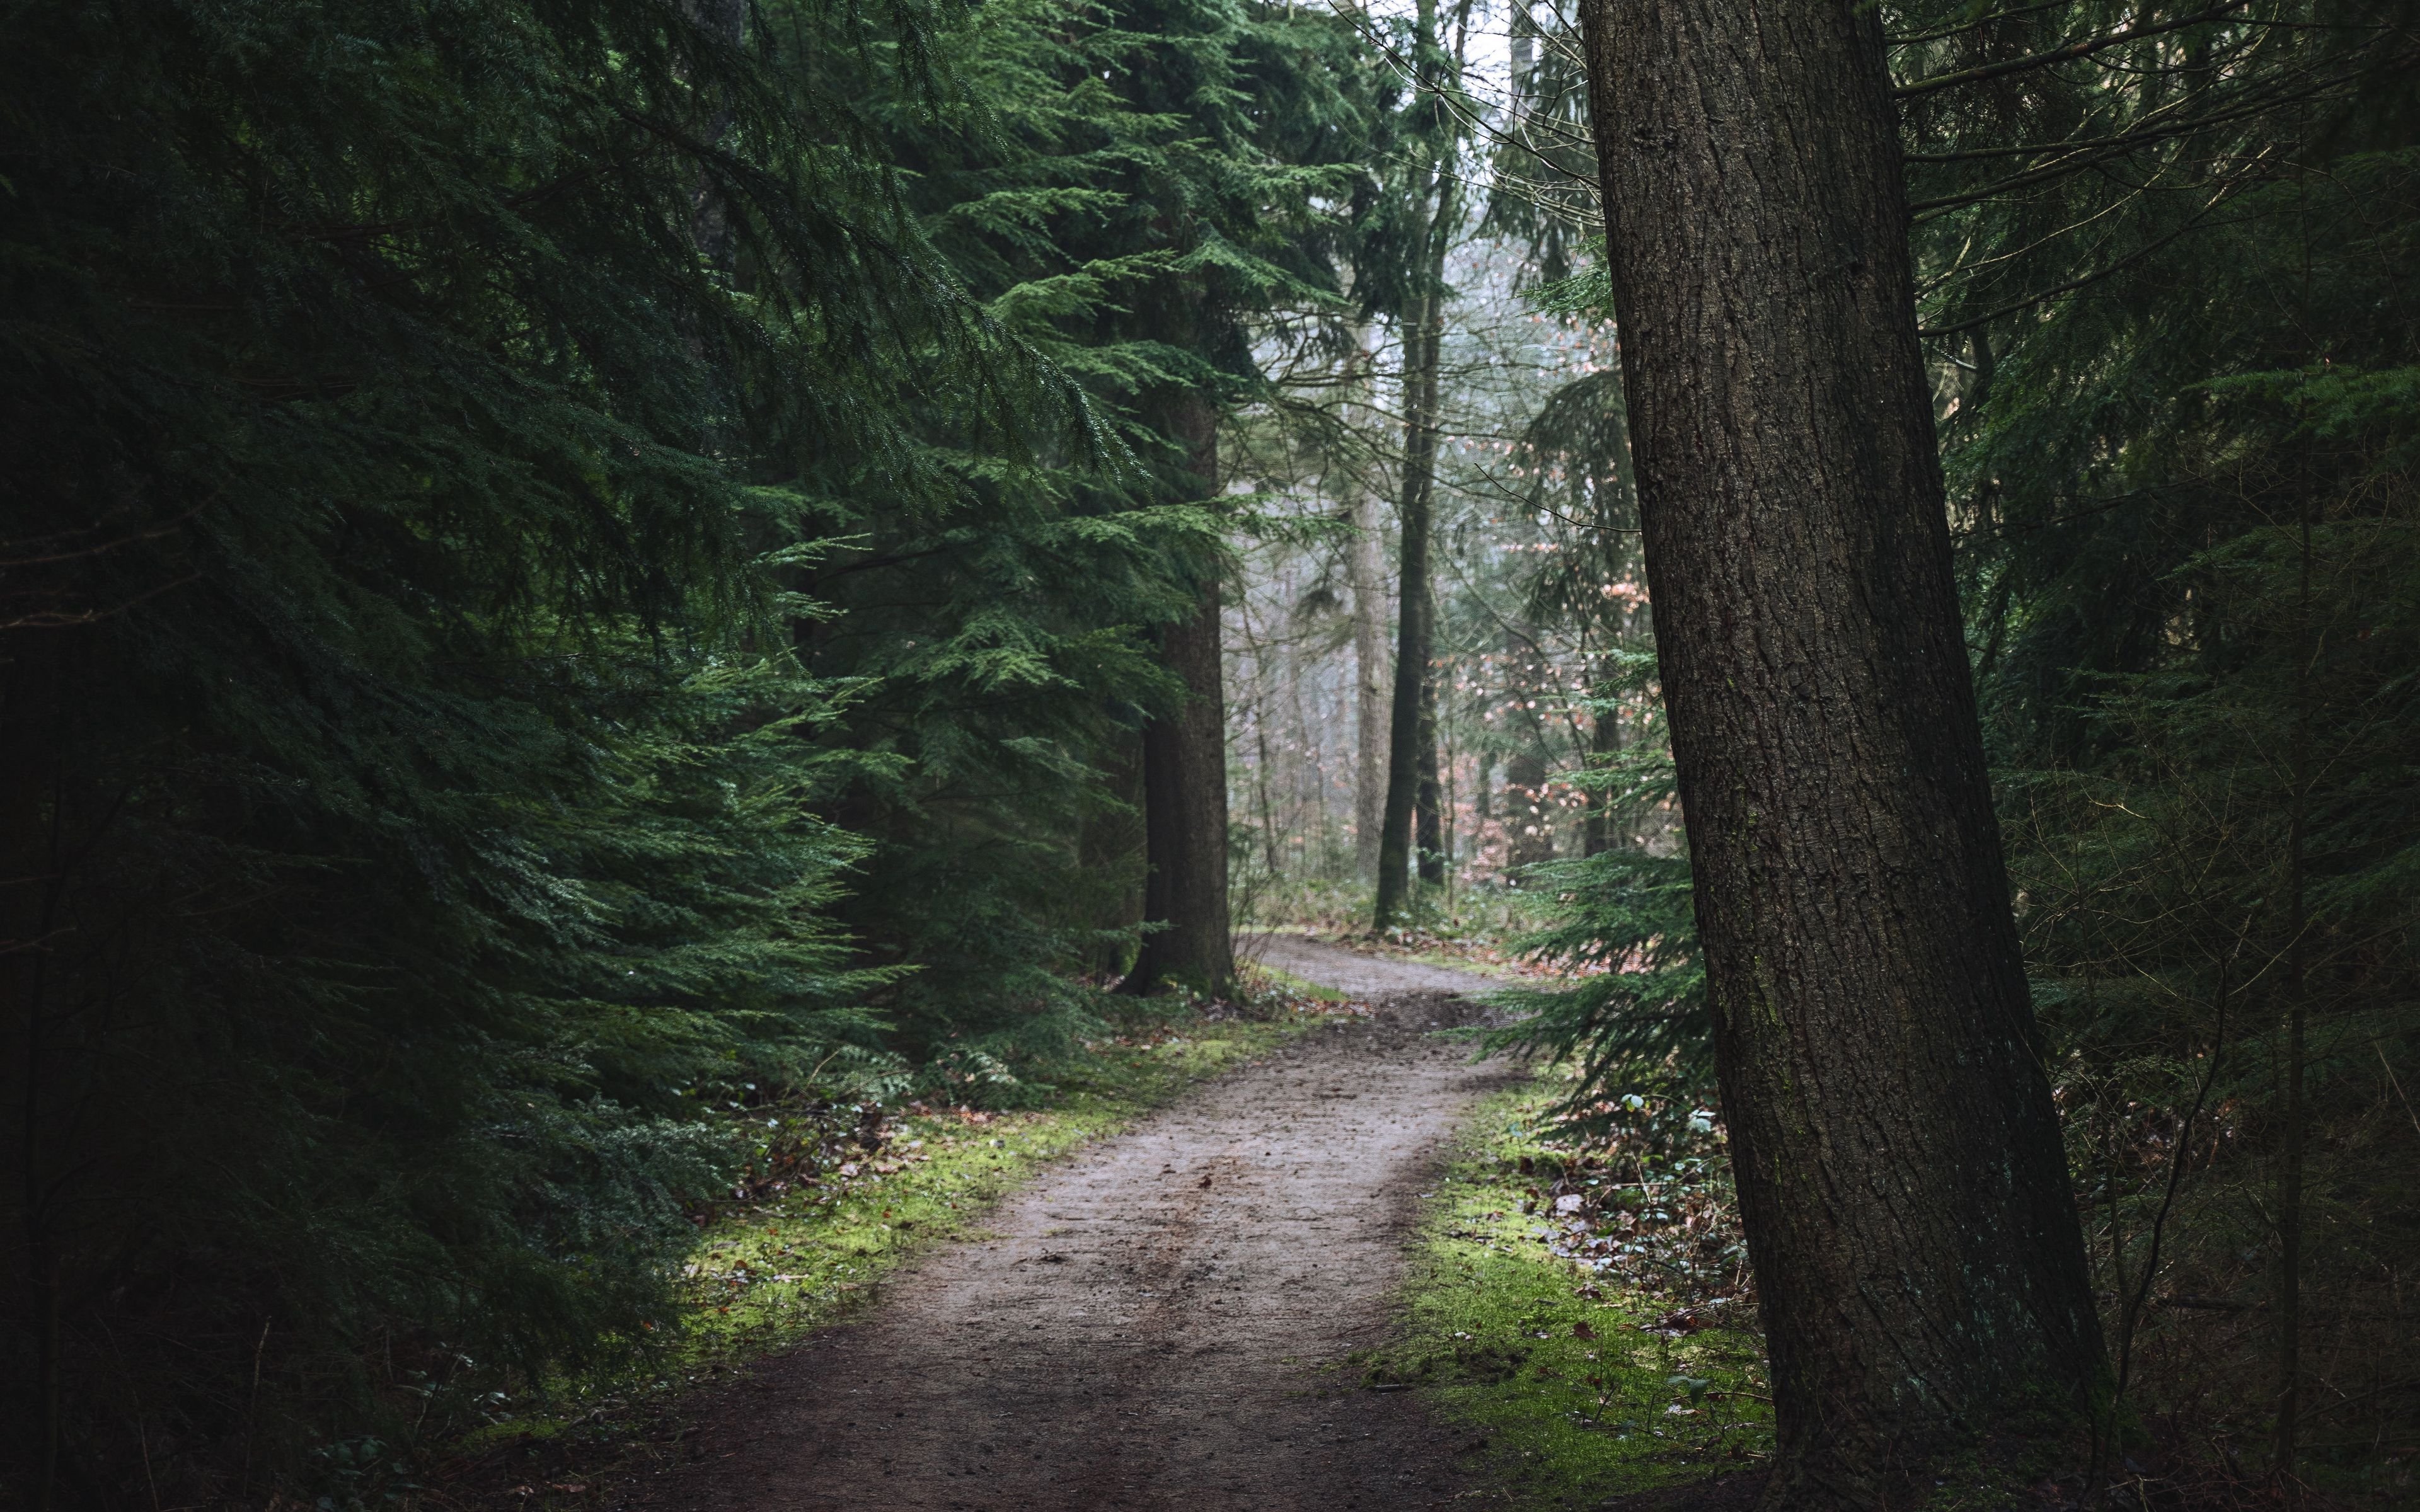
(785, 1257)
(1583, 1304)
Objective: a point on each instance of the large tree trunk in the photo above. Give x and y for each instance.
(1185, 779)
(1919, 1265)
(1111, 850)
(38, 689)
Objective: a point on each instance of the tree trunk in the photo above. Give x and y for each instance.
(1412, 615)
(1529, 823)
(1604, 743)
(1185, 779)
(1411, 766)
(1371, 676)
(1428, 804)
(37, 684)
(1111, 849)
(1919, 1264)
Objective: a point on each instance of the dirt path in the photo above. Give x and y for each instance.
(1146, 1326)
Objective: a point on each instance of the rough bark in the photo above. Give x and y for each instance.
(1919, 1265)
(37, 675)
(1185, 779)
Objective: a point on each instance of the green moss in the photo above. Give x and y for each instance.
(1580, 1394)
(763, 1277)
(768, 1275)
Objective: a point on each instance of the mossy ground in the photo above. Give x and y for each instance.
(1578, 1387)
(765, 1275)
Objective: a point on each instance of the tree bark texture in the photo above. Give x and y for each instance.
(39, 675)
(1185, 779)
(1919, 1265)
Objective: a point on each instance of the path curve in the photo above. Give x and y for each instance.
(1150, 1324)
(1362, 973)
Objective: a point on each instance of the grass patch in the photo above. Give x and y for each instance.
(764, 1275)
(1298, 986)
(1585, 1386)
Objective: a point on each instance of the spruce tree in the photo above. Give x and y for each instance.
(410, 817)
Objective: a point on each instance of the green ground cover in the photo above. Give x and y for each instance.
(765, 1274)
(1586, 1380)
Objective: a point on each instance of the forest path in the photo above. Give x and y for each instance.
(1144, 1327)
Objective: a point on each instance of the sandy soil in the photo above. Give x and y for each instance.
(1154, 1323)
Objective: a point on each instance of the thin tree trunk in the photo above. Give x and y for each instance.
(1371, 676)
(1412, 641)
(1411, 764)
(1604, 743)
(1529, 823)
(1427, 819)
(1185, 779)
(1919, 1264)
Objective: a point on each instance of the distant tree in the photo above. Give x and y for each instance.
(1411, 838)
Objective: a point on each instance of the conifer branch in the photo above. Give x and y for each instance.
(2068, 53)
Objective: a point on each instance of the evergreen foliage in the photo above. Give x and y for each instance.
(2166, 262)
(1124, 188)
(433, 427)
(571, 570)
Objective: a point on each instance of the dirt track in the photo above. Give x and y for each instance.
(1147, 1326)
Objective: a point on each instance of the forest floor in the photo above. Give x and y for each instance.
(1163, 1320)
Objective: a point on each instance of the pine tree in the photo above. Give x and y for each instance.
(410, 812)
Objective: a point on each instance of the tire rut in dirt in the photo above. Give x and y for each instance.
(1157, 1324)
